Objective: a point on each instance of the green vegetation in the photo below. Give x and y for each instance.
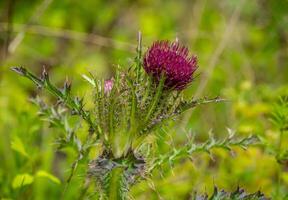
(242, 54)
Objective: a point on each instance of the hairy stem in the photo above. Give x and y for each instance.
(155, 99)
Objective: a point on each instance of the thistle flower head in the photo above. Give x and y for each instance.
(172, 60)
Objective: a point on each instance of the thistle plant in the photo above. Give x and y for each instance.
(128, 108)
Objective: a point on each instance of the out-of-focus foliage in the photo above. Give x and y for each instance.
(243, 54)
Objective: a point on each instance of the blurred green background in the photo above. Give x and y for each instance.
(242, 47)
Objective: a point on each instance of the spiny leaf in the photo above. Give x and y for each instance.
(238, 194)
(73, 103)
(191, 104)
(206, 147)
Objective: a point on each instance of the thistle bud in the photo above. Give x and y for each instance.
(45, 75)
(108, 85)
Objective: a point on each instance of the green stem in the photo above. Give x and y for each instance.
(280, 141)
(115, 185)
(279, 171)
(139, 55)
(133, 109)
(155, 99)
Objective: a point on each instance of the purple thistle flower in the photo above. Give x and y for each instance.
(173, 60)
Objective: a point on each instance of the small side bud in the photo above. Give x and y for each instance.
(79, 102)
(67, 86)
(45, 75)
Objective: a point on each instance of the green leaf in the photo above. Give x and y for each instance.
(17, 145)
(22, 180)
(49, 176)
(89, 80)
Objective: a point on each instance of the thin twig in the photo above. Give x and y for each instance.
(197, 17)
(74, 35)
(216, 55)
(10, 11)
(219, 50)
